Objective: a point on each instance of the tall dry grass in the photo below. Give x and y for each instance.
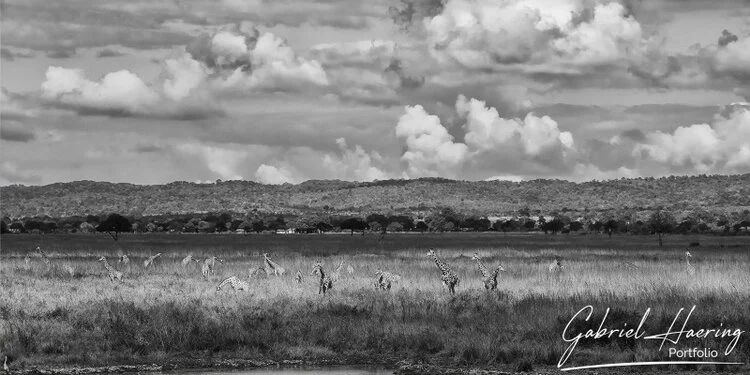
(54, 316)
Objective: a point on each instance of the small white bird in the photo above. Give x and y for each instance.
(5, 365)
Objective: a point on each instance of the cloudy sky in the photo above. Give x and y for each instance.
(278, 91)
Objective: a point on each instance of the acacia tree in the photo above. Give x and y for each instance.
(354, 223)
(661, 221)
(114, 224)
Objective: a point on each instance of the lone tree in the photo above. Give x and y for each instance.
(114, 224)
(661, 221)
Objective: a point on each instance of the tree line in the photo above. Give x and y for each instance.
(660, 221)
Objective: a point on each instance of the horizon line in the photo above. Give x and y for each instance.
(513, 180)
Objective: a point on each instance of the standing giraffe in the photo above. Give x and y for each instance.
(385, 279)
(690, 267)
(113, 273)
(325, 282)
(448, 277)
(556, 266)
(337, 272)
(274, 267)
(186, 260)
(150, 260)
(208, 265)
(235, 283)
(299, 278)
(44, 256)
(489, 279)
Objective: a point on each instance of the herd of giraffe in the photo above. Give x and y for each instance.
(384, 279)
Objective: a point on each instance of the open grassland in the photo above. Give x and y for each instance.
(71, 314)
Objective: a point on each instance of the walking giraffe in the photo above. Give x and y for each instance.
(489, 279)
(186, 260)
(113, 273)
(150, 260)
(385, 279)
(274, 267)
(448, 277)
(299, 278)
(556, 266)
(235, 282)
(690, 267)
(325, 282)
(336, 274)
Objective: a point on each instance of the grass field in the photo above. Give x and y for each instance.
(50, 316)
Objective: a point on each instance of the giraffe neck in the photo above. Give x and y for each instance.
(687, 259)
(482, 268)
(496, 272)
(108, 267)
(443, 268)
(322, 274)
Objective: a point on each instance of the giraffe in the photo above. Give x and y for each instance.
(113, 273)
(70, 270)
(325, 282)
(208, 265)
(299, 278)
(556, 266)
(489, 279)
(150, 260)
(275, 268)
(235, 282)
(448, 277)
(186, 260)
(690, 267)
(337, 272)
(44, 256)
(385, 279)
(124, 259)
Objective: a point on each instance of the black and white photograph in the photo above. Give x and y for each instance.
(372, 187)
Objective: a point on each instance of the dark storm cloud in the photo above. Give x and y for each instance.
(107, 52)
(634, 134)
(7, 54)
(61, 53)
(16, 132)
(727, 37)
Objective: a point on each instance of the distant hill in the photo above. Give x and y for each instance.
(478, 197)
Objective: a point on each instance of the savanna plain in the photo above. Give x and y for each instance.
(69, 313)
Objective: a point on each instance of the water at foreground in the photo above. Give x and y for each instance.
(298, 371)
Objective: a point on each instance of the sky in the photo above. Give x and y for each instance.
(284, 91)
